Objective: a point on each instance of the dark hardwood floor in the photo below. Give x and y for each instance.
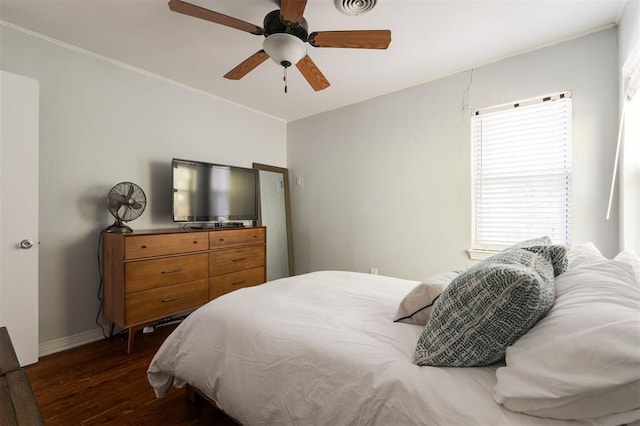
(99, 383)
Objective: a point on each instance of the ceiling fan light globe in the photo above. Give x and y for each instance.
(284, 49)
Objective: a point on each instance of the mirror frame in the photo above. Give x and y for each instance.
(287, 207)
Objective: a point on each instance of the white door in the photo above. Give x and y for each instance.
(19, 111)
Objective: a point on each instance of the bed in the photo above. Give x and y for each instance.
(323, 348)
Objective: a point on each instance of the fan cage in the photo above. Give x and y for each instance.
(126, 201)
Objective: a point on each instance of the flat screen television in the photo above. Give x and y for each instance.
(206, 192)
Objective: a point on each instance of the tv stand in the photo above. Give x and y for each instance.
(216, 225)
(155, 274)
(231, 225)
(211, 225)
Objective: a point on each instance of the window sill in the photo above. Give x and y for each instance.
(481, 254)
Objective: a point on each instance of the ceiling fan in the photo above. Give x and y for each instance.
(286, 32)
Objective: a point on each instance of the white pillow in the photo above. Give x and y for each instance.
(583, 253)
(416, 306)
(582, 360)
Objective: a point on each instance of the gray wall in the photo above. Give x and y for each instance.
(386, 182)
(102, 123)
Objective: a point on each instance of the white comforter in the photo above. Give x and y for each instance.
(322, 349)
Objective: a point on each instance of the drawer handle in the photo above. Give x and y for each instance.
(143, 246)
(172, 271)
(171, 299)
(195, 242)
(240, 259)
(239, 282)
(221, 239)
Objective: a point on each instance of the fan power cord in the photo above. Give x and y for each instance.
(104, 334)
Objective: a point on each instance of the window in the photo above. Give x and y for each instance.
(521, 173)
(629, 149)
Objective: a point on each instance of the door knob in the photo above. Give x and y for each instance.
(26, 244)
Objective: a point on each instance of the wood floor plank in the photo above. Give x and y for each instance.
(99, 383)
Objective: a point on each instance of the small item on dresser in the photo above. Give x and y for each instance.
(126, 201)
(231, 224)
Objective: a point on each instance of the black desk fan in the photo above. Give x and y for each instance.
(126, 201)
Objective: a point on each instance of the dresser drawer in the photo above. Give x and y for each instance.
(146, 274)
(226, 261)
(139, 246)
(236, 237)
(156, 303)
(223, 284)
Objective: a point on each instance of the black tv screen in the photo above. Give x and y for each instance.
(213, 192)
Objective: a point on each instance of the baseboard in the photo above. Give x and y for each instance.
(68, 342)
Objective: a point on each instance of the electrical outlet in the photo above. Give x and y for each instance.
(373, 271)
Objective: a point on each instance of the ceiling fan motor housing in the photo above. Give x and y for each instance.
(274, 25)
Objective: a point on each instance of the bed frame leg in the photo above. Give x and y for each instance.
(190, 394)
(194, 396)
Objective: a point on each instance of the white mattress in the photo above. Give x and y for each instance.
(322, 348)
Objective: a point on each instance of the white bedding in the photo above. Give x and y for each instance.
(322, 349)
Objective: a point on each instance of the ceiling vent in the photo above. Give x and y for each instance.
(355, 7)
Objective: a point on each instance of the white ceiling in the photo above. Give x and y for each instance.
(430, 39)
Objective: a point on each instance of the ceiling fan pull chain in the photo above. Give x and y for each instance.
(285, 79)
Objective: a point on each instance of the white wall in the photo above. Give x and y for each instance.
(386, 182)
(629, 29)
(628, 177)
(100, 124)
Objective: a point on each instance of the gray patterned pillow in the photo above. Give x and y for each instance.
(559, 257)
(490, 306)
(535, 242)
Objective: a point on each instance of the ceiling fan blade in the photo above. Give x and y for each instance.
(358, 39)
(209, 15)
(312, 74)
(291, 11)
(247, 65)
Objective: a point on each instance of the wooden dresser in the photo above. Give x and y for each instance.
(150, 275)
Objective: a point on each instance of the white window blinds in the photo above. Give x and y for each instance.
(521, 173)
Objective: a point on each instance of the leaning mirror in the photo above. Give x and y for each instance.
(275, 214)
